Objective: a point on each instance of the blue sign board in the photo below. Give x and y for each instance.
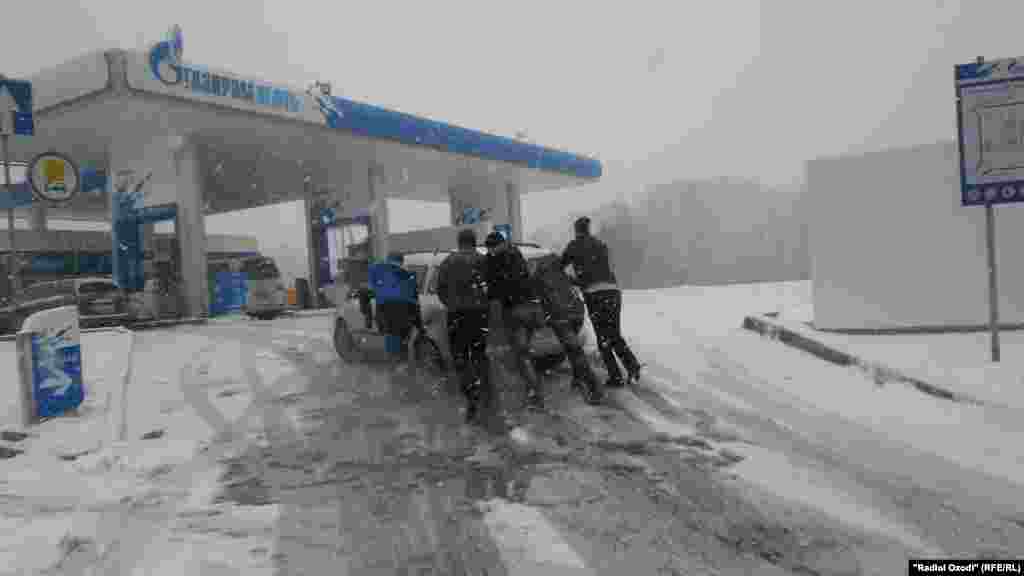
(21, 94)
(95, 263)
(989, 101)
(56, 375)
(16, 195)
(230, 292)
(52, 369)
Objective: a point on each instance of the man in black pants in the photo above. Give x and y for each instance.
(564, 311)
(589, 258)
(510, 290)
(461, 288)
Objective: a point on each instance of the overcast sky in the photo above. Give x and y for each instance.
(656, 90)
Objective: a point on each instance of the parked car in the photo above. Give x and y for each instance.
(99, 300)
(151, 303)
(267, 296)
(351, 335)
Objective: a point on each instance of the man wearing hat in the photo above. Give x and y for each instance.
(591, 263)
(510, 291)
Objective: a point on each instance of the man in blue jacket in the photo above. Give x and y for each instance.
(398, 309)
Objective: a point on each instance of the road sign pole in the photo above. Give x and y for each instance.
(12, 276)
(993, 279)
(993, 276)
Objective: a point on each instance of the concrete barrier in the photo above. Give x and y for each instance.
(879, 373)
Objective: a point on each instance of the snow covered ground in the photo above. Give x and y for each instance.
(692, 331)
(187, 387)
(184, 389)
(959, 362)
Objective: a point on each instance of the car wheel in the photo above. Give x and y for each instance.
(429, 356)
(344, 344)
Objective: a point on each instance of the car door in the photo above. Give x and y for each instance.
(350, 312)
(435, 315)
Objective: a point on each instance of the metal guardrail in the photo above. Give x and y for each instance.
(130, 326)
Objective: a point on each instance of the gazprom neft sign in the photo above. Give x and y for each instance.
(204, 82)
(167, 66)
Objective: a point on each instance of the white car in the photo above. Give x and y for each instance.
(351, 335)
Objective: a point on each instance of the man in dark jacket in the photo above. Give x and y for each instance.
(564, 312)
(589, 258)
(398, 309)
(461, 288)
(511, 293)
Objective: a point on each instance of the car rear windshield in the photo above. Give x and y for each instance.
(261, 269)
(94, 288)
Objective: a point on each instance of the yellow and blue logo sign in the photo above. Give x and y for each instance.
(167, 66)
(53, 177)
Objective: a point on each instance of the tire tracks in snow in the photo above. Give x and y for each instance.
(908, 486)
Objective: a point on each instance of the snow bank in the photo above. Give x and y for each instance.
(185, 388)
(959, 362)
(691, 331)
(972, 436)
(715, 310)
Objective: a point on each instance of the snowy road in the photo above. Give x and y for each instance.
(342, 469)
(374, 474)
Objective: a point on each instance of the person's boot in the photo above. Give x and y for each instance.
(472, 394)
(615, 382)
(634, 373)
(534, 398)
(593, 393)
(532, 381)
(582, 375)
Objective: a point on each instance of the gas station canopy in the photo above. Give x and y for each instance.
(180, 140)
(261, 143)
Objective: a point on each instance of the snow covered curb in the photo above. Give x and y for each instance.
(880, 373)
